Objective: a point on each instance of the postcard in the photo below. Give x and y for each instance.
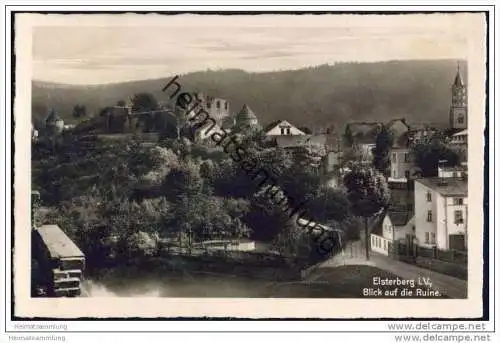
(249, 166)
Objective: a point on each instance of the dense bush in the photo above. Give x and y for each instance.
(114, 197)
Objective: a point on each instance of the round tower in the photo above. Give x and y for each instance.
(246, 118)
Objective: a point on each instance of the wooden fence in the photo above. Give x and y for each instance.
(451, 256)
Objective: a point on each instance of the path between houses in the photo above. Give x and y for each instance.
(354, 254)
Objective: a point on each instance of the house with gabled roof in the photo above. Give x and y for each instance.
(441, 212)
(393, 226)
(398, 127)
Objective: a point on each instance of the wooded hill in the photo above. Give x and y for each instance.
(315, 96)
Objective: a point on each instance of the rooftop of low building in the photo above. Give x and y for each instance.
(449, 186)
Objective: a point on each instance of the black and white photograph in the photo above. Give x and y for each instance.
(255, 157)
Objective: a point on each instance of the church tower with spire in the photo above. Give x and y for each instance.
(458, 108)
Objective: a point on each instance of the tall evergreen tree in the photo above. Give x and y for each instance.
(368, 193)
(381, 152)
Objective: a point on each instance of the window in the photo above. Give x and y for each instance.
(433, 238)
(394, 157)
(454, 174)
(461, 119)
(459, 217)
(226, 106)
(407, 157)
(218, 104)
(429, 216)
(385, 244)
(282, 130)
(426, 238)
(209, 105)
(429, 196)
(288, 131)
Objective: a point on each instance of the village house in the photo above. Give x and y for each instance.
(441, 212)
(311, 145)
(362, 137)
(420, 133)
(459, 139)
(452, 172)
(402, 166)
(398, 128)
(395, 226)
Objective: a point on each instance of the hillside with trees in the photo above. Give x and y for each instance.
(317, 96)
(120, 198)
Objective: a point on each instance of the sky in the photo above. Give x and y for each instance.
(97, 49)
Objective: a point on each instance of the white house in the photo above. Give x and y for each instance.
(402, 166)
(282, 128)
(441, 212)
(457, 171)
(459, 139)
(395, 227)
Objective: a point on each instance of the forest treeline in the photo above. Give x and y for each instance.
(317, 96)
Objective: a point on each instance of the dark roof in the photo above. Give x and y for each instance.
(364, 132)
(294, 141)
(363, 127)
(449, 186)
(377, 222)
(58, 244)
(400, 218)
(393, 121)
(272, 125)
